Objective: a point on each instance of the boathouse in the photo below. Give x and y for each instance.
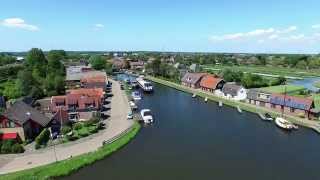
(258, 97)
(211, 83)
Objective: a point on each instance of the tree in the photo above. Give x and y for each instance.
(36, 60)
(126, 64)
(108, 68)
(11, 90)
(97, 62)
(54, 61)
(25, 82)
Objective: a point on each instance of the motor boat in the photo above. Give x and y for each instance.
(284, 124)
(146, 116)
(136, 95)
(268, 117)
(145, 85)
(130, 115)
(133, 105)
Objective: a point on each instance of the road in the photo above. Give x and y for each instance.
(116, 124)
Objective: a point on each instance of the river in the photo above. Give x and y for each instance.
(194, 140)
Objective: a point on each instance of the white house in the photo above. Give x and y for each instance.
(233, 91)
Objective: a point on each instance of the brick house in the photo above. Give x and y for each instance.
(211, 83)
(192, 79)
(24, 120)
(81, 104)
(98, 81)
(136, 65)
(292, 105)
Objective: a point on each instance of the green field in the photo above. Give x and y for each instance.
(291, 89)
(317, 84)
(266, 70)
(316, 98)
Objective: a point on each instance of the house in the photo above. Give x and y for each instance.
(233, 91)
(24, 120)
(98, 81)
(292, 105)
(192, 79)
(211, 83)
(258, 97)
(76, 73)
(81, 104)
(137, 65)
(118, 63)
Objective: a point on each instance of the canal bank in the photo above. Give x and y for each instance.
(117, 125)
(191, 139)
(236, 104)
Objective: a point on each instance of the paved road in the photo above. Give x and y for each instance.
(117, 124)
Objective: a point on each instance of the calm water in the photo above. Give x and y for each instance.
(195, 140)
(308, 83)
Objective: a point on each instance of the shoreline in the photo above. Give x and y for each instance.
(117, 125)
(69, 166)
(244, 106)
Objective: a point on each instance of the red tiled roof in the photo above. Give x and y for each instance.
(93, 79)
(209, 81)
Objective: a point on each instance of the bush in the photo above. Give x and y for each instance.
(17, 148)
(73, 137)
(65, 130)
(92, 121)
(77, 126)
(10, 146)
(100, 126)
(43, 137)
(37, 146)
(83, 132)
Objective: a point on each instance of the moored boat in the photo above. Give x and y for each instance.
(145, 85)
(146, 116)
(136, 95)
(284, 124)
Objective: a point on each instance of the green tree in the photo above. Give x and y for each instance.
(108, 68)
(97, 62)
(54, 61)
(25, 82)
(37, 60)
(11, 90)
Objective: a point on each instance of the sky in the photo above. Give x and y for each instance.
(237, 26)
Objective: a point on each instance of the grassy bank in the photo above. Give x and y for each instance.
(244, 106)
(66, 167)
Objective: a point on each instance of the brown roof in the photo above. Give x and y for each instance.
(209, 81)
(93, 79)
(192, 78)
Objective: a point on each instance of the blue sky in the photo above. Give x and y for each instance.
(275, 26)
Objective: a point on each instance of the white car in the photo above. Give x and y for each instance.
(146, 116)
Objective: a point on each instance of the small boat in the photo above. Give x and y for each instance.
(130, 87)
(136, 95)
(145, 85)
(206, 99)
(194, 95)
(133, 105)
(239, 110)
(146, 116)
(284, 124)
(268, 117)
(220, 104)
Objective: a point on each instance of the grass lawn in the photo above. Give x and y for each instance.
(291, 89)
(279, 71)
(316, 98)
(66, 167)
(317, 84)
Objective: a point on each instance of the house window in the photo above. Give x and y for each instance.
(292, 110)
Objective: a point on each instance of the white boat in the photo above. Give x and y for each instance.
(268, 117)
(194, 95)
(206, 99)
(146, 116)
(284, 124)
(136, 95)
(133, 105)
(145, 85)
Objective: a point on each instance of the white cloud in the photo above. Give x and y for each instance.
(269, 33)
(316, 26)
(99, 25)
(18, 23)
(297, 37)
